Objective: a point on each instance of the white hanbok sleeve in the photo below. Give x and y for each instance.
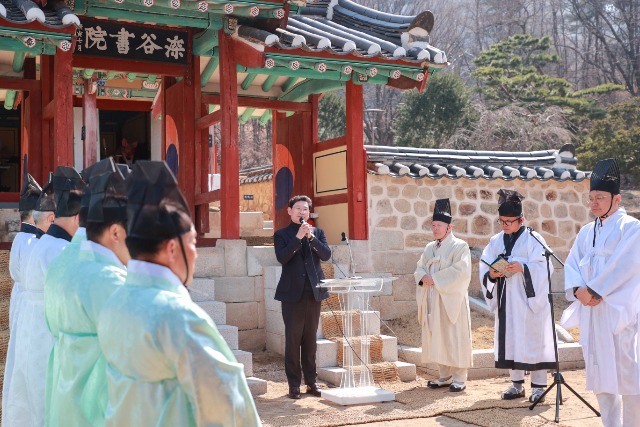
(572, 273)
(488, 286)
(452, 282)
(535, 266)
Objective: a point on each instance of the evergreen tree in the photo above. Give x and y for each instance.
(332, 117)
(617, 136)
(512, 72)
(430, 118)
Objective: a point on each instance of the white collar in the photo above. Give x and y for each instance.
(156, 270)
(99, 249)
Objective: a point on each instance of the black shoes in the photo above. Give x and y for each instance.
(513, 393)
(314, 390)
(294, 393)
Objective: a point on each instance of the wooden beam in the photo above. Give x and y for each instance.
(333, 199)
(32, 123)
(116, 104)
(356, 164)
(230, 170)
(18, 84)
(246, 55)
(90, 125)
(46, 80)
(126, 65)
(261, 103)
(210, 119)
(208, 197)
(330, 144)
(208, 71)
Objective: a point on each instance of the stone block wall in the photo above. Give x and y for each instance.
(262, 198)
(9, 224)
(400, 211)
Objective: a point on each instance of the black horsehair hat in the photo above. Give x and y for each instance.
(156, 209)
(30, 191)
(67, 188)
(108, 202)
(47, 201)
(510, 203)
(442, 211)
(606, 177)
(99, 168)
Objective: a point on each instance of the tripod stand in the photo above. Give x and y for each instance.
(558, 379)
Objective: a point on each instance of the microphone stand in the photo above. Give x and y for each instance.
(352, 264)
(558, 379)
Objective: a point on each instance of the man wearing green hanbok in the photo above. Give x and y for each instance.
(167, 364)
(83, 278)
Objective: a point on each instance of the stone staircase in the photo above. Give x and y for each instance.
(327, 351)
(202, 292)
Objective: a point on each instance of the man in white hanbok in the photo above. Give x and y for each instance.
(36, 218)
(26, 396)
(443, 275)
(523, 338)
(601, 277)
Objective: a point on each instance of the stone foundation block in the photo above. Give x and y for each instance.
(271, 277)
(203, 286)
(246, 359)
(390, 309)
(385, 240)
(403, 262)
(404, 288)
(235, 256)
(210, 262)
(254, 339)
(406, 371)
(326, 353)
(235, 289)
(275, 324)
(262, 316)
(257, 386)
(259, 288)
(275, 343)
(217, 310)
(244, 315)
(269, 302)
(230, 335)
(259, 257)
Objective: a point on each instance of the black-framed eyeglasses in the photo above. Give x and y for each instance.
(507, 222)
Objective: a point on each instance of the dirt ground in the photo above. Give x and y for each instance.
(417, 405)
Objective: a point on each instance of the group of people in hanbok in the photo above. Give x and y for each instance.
(103, 331)
(602, 279)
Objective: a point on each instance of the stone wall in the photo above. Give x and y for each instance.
(9, 224)
(400, 211)
(262, 198)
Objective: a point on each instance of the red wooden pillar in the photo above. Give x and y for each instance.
(89, 124)
(230, 162)
(62, 129)
(32, 125)
(356, 165)
(46, 85)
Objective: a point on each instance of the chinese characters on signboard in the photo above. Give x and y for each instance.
(126, 41)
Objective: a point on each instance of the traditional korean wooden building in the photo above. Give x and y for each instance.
(146, 79)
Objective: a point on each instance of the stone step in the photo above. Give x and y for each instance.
(272, 276)
(327, 351)
(246, 359)
(230, 335)
(216, 310)
(570, 356)
(239, 289)
(372, 318)
(333, 375)
(257, 386)
(202, 288)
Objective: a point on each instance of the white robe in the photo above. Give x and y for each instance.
(523, 337)
(21, 249)
(608, 331)
(447, 341)
(26, 395)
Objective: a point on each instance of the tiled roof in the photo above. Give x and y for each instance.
(343, 27)
(55, 14)
(257, 174)
(559, 165)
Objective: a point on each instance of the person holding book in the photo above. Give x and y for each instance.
(601, 277)
(516, 290)
(443, 275)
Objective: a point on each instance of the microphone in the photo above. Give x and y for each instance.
(352, 264)
(344, 238)
(302, 220)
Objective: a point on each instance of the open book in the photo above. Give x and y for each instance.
(499, 265)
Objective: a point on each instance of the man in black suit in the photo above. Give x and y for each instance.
(299, 248)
